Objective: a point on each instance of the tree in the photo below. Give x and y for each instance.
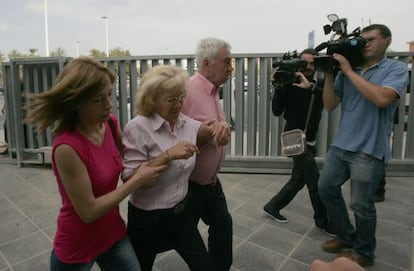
(15, 54)
(33, 52)
(96, 53)
(59, 51)
(117, 51)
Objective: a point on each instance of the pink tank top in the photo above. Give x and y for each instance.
(75, 241)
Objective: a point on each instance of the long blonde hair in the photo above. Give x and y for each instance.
(79, 81)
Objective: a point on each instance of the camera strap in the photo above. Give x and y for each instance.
(309, 111)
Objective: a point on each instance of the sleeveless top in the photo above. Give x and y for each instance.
(76, 241)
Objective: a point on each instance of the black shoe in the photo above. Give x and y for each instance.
(328, 230)
(379, 198)
(276, 216)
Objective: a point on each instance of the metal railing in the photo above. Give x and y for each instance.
(255, 144)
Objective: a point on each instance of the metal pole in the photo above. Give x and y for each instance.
(77, 48)
(46, 28)
(106, 35)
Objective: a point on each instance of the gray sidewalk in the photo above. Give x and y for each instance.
(29, 203)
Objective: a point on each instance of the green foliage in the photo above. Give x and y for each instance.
(59, 51)
(117, 51)
(15, 54)
(96, 53)
(33, 52)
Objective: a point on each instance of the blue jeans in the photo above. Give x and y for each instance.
(365, 173)
(120, 257)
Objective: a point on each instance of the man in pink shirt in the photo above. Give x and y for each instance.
(202, 103)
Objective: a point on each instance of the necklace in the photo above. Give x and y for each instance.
(96, 136)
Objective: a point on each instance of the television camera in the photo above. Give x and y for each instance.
(348, 45)
(287, 67)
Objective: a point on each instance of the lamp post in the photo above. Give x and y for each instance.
(106, 34)
(77, 48)
(46, 28)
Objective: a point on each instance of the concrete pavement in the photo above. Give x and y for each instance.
(29, 203)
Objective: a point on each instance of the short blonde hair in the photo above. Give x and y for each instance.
(155, 82)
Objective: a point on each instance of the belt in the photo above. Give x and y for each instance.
(177, 209)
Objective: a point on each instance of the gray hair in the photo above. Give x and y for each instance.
(208, 48)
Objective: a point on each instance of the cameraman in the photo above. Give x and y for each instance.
(361, 148)
(294, 100)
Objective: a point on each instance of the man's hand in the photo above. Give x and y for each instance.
(343, 63)
(304, 82)
(222, 134)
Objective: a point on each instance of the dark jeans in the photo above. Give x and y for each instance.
(305, 171)
(209, 203)
(156, 231)
(381, 187)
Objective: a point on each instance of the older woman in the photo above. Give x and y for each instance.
(158, 218)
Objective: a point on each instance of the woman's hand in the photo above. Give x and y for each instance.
(183, 150)
(146, 175)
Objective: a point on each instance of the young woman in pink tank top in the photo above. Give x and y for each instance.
(87, 163)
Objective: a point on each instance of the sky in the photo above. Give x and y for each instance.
(159, 27)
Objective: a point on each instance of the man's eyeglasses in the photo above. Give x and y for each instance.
(173, 100)
(370, 40)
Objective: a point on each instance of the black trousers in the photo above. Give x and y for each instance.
(209, 203)
(305, 171)
(152, 232)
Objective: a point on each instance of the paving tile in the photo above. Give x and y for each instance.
(13, 186)
(15, 230)
(10, 215)
(4, 203)
(274, 239)
(29, 205)
(3, 263)
(392, 232)
(43, 218)
(308, 249)
(243, 227)
(50, 231)
(395, 253)
(38, 262)
(249, 256)
(170, 261)
(40, 204)
(24, 248)
(291, 265)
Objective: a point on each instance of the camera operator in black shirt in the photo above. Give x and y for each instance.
(293, 100)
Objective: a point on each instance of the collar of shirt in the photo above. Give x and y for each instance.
(212, 89)
(379, 64)
(157, 122)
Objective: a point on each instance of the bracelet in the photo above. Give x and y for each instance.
(167, 153)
